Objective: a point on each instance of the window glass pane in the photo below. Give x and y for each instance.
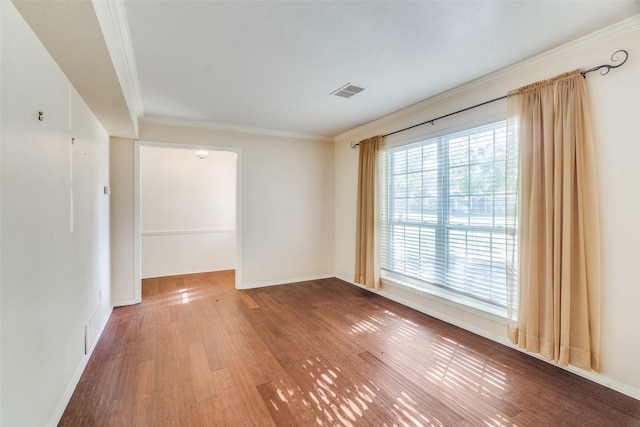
(430, 157)
(400, 186)
(430, 210)
(430, 182)
(414, 184)
(399, 209)
(414, 159)
(458, 151)
(459, 210)
(414, 212)
(481, 147)
(459, 180)
(481, 178)
(399, 161)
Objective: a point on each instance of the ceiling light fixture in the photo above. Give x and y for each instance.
(348, 90)
(202, 154)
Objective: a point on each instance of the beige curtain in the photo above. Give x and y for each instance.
(558, 312)
(365, 272)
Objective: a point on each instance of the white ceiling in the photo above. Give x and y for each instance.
(273, 64)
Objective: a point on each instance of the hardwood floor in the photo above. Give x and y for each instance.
(197, 352)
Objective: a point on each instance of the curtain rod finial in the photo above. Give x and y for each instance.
(608, 67)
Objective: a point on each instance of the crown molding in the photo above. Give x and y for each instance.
(232, 128)
(576, 46)
(113, 21)
(596, 38)
(126, 48)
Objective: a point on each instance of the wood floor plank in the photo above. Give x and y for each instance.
(409, 393)
(335, 394)
(468, 388)
(202, 378)
(280, 405)
(253, 339)
(197, 352)
(144, 385)
(246, 376)
(228, 408)
(246, 298)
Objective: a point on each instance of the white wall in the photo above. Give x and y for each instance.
(187, 210)
(615, 102)
(123, 241)
(54, 229)
(286, 225)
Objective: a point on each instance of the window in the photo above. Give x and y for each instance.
(443, 212)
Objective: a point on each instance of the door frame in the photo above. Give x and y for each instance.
(138, 213)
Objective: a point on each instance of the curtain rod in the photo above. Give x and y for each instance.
(605, 70)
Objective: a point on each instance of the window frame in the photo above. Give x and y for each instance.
(442, 226)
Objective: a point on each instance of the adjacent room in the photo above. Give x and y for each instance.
(413, 213)
(187, 210)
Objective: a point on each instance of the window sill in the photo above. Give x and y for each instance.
(452, 299)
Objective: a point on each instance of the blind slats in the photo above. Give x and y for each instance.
(444, 210)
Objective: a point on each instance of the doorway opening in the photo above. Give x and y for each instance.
(187, 211)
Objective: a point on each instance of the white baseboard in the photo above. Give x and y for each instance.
(66, 397)
(592, 376)
(283, 281)
(123, 303)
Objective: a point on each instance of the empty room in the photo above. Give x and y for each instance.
(319, 213)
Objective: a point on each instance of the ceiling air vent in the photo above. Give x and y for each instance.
(347, 91)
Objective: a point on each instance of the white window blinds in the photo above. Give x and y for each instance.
(443, 213)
